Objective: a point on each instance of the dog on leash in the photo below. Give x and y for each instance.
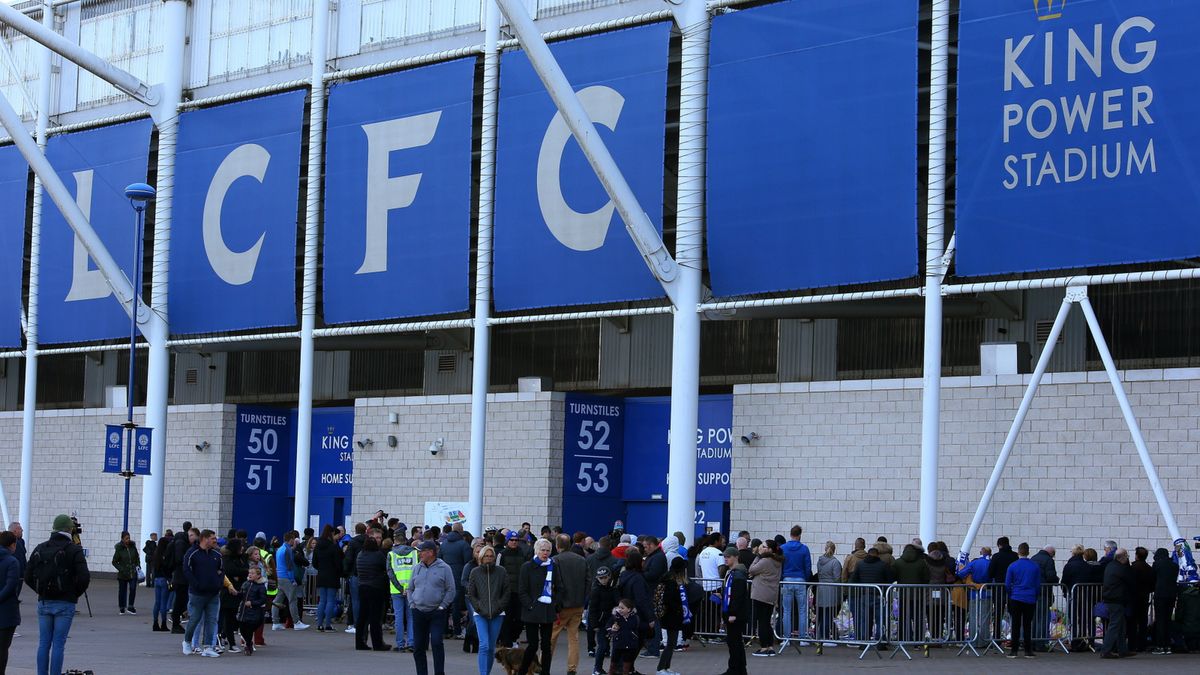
(511, 657)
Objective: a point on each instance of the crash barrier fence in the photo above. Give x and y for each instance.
(906, 618)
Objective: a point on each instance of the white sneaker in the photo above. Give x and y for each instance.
(235, 649)
(350, 629)
(187, 648)
(210, 652)
(276, 626)
(300, 626)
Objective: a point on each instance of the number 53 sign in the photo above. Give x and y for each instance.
(594, 434)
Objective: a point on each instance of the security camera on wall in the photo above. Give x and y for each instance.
(436, 447)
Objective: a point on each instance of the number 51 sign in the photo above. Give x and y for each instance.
(264, 450)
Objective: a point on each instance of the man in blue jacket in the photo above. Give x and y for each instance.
(206, 577)
(976, 573)
(1023, 579)
(797, 568)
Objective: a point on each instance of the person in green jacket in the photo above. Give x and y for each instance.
(127, 561)
(910, 570)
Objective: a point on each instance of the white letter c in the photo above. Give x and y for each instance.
(234, 268)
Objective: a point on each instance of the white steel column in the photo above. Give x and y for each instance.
(693, 21)
(1130, 420)
(158, 370)
(1015, 430)
(312, 218)
(481, 362)
(931, 398)
(29, 412)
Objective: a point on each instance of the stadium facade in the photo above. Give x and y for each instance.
(830, 184)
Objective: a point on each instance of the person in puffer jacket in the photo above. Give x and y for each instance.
(487, 593)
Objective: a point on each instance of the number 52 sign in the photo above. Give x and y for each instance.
(594, 452)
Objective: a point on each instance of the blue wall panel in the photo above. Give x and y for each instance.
(14, 176)
(812, 150)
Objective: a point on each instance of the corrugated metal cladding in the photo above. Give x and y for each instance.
(247, 38)
(127, 33)
(19, 70)
(386, 22)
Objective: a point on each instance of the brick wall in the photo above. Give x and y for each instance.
(843, 459)
(523, 479)
(67, 476)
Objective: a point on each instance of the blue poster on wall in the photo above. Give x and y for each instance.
(142, 437)
(76, 304)
(593, 458)
(398, 194)
(331, 473)
(14, 174)
(264, 478)
(812, 145)
(233, 239)
(558, 238)
(1078, 124)
(648, 448)
(114, 447)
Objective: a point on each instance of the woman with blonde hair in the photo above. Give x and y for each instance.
(829, 597)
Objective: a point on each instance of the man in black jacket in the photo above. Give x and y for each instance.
(1166, 590)
(57, 571)
(183, 543)
(1044, 559)
(865, 605)
(1143, 586)
(457, 553)
(1116, 594)
(571, 569)
(512, 558)
(350, 565)
(997, 570)
(735, 608)
(654, 568)
(205, 574)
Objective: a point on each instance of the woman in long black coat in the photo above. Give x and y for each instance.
(327, 560)
(539, 590)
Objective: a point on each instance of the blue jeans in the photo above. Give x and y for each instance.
(795, 593)
(489, 633)
(403, 616)
(162, 603)
(429, 627)
(54, 623)
(326, 606)
(202, 611)
(353, 611)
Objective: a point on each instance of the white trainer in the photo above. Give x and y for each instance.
(350, 629)
(276, 626)
(187, 648)
(209, 652)
(300, 626)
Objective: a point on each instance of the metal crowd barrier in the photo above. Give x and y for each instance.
(1051, 620)
(849, 615)
(1086, 616)
(928, 615)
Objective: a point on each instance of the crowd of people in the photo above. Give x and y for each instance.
(617, 598)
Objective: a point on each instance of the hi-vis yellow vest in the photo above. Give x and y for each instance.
(402, 567)
(266, 561)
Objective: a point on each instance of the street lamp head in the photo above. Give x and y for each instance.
(140, 192)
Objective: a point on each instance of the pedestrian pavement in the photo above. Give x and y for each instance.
(110, 643)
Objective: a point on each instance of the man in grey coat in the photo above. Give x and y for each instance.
(572, 570)
(430, 595)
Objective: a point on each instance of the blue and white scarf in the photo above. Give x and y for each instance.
(547, 585)
(683, 599)
(727, 596)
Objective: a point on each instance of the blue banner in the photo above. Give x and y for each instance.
(266, 444)
(114, 444)
(14, 175)
(558, 238)
(812, 146)
(75, 303)
(331, 468)
(593, 457)
(141, 450)
(398, 194)
(233, 239)
(1078, 125)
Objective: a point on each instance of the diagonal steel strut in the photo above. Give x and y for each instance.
(637, 223)
(121, 79)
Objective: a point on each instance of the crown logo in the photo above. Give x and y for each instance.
(1048, 9)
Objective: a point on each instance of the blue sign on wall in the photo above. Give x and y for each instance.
(264, 479)
(233, 262)
(14, 175)
(592, 463)
(1078, 125)
(76, 304)
(648, 448)
(142, 437)
(812, 147)
(331, 469)
(114, 435)
(398, 194)
(558, 238)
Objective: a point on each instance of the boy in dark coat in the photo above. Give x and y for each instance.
(601, 602)
(625, 633)
(253, 598)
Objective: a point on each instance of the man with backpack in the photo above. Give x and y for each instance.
(57, 571)
(289, 576)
